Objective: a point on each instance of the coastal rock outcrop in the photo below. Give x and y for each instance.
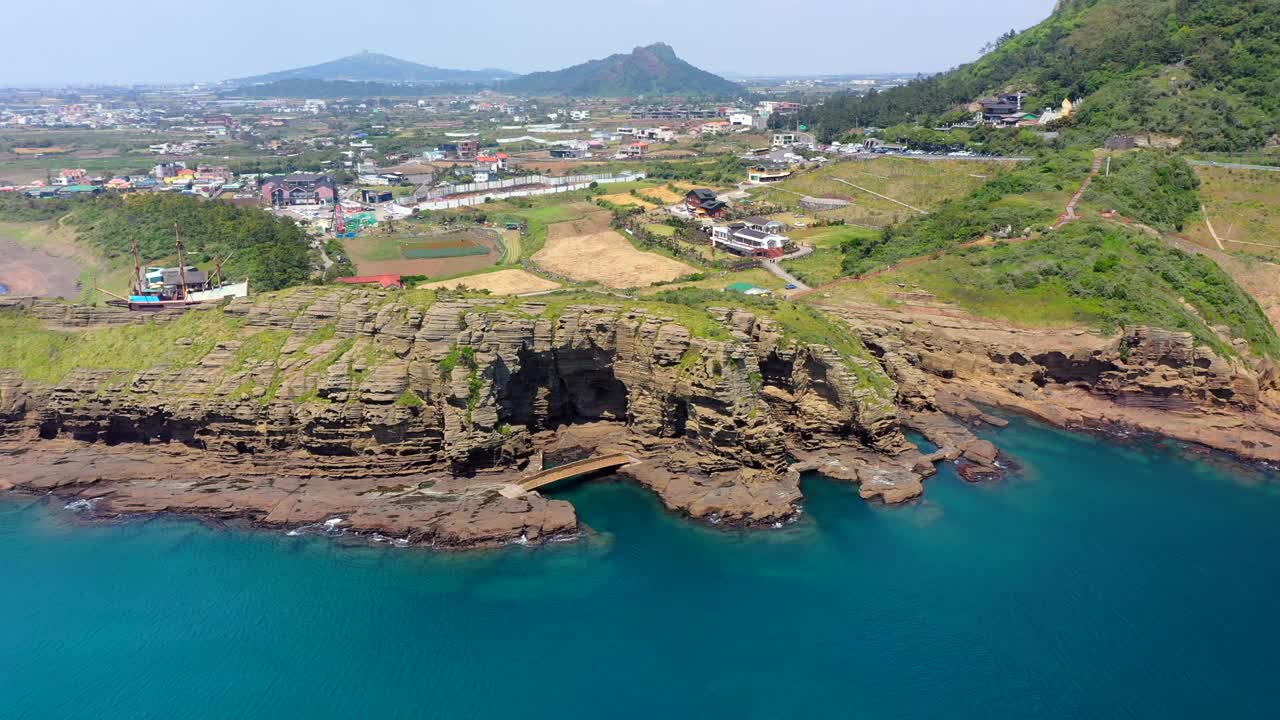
(1145, 378)
(378, 384)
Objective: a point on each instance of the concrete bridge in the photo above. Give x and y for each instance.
(574, 469)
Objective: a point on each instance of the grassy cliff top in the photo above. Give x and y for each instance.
(49, 356)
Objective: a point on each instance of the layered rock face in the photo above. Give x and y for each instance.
(465, 383)
(1146, 378)
(363, 384)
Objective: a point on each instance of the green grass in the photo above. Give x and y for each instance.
(1244, 206)
(379, 248)
(660, 229)
(262, 346)
(49, 356)
(1101, 275)
(820, 268)
(824, 265)
(409, 398)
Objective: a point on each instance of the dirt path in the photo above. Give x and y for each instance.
(884, 197)
(1084, 187)
(25, 272)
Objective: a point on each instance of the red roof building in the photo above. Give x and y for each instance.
(386, 281)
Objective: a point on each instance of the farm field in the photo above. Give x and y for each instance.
(587, 250)
(511, 281)
(1244, 208)
(628, 199)
(920, 184)
(447, 254)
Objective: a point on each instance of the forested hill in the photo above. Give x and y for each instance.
(650, 70)
(377, 68)
(270, 252)
(1207, 71)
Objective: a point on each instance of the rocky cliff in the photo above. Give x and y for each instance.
(431, 407)
(1144, 378)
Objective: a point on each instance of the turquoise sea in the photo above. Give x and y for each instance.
(1101, 581)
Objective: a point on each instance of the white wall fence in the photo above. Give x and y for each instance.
(439, 198)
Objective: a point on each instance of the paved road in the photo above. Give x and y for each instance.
(775, 267)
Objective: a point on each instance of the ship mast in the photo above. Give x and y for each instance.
(138, 285)
(182, 266)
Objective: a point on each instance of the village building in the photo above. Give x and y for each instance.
(663, 133)
(704, 203)
(491, 163)
(763, 175)
(636, 149)
(299, 189)
(220, 172)
(71, 177)
(740, 239)
(167, 169)
(1004, 109)
(373, 196)
(764, 224)
(461, 150)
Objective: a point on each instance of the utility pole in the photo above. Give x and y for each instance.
(1108, 166)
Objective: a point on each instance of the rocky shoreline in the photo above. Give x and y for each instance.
(1147, 380)
(417, 423)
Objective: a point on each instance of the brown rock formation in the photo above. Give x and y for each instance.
(362, 389)
(1145, 378)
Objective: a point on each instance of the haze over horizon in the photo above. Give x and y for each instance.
(150, 41)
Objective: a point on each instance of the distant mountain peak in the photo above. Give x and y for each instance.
(653, 69)
(366, 66)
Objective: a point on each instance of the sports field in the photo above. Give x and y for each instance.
(432, 255)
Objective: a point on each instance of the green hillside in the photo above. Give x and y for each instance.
(377, 68)
(651, 70)
(1206, 71)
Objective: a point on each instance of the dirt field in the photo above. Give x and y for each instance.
(369, 256)
(663, 193)
(501, 282)
(25, 272)
(627, 199)
(587, 250)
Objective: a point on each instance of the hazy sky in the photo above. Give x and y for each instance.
(174, 40)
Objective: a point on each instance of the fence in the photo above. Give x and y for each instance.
(526, 186)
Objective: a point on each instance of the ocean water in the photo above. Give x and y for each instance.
(1100, 581)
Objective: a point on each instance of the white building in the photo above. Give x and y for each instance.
(739, 239)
